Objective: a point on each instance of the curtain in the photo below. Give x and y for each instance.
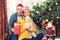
(3, 20)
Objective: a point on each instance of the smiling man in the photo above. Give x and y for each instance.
(15, 18)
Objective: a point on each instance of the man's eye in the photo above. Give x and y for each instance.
(17, 9)
(20, 9)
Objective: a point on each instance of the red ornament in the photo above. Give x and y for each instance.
(49, 14)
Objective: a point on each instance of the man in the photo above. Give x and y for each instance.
(14, 18)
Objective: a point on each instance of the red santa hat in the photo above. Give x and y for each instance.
(20, 5)
(26, 7)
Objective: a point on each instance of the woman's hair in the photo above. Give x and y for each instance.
(29, 11)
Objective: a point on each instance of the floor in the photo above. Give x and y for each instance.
(57, 38)
(43, 31)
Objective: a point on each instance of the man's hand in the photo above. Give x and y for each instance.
(12, 29)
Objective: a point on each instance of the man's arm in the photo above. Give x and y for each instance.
(11, 23)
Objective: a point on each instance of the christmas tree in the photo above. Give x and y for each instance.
(49, 10)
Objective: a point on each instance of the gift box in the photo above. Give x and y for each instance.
(17, 28)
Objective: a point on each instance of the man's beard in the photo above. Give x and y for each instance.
(20, 14)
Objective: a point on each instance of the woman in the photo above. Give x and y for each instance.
(24, 29)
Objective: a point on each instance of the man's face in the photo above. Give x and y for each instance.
(19, 10)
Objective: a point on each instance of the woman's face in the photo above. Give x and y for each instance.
(27, 12)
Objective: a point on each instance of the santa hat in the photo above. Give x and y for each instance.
(26, 8)
(20, 5)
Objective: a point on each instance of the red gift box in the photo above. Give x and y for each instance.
(16, 28)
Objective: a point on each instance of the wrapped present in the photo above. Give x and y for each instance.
(17, 28)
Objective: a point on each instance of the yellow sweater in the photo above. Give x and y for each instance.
(24, 32)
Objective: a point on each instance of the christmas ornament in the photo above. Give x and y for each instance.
(48, 14)
(49, 8)
(32, 14)
(46, 20)
(37, 12)
(56, 3)
(57, 17)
